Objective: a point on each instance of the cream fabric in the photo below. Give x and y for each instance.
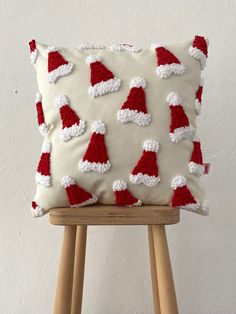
(124, 141)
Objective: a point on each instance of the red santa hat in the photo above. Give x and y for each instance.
(36, 210)
(196, 165)
(43, 128)
(167, 62)
(179, 126)
(199, 50)
(198, 99)
(88, 46)
(96, 157)
(102, 80)
(77, 196)
(134, 108)
(182, 197)
(125, 47)
(123, 196)
(57, 65)
(72, 125)
(146, 170)
(33, 51)
(43, 174)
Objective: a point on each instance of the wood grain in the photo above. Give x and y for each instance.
(113, 215)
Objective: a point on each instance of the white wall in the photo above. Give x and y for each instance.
(117, 271)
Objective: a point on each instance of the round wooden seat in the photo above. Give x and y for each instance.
(113, 215)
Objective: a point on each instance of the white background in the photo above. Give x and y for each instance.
(117, 279)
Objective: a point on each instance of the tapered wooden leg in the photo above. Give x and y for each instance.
(155, 291)
(78, 279)
(168, 303)
(65, 275)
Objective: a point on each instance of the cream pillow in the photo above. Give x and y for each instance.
(119, 125)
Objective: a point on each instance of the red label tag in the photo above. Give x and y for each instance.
(207, 167)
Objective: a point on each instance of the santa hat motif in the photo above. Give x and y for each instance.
(167, 62)
(77, 196)
(43, 175)
(199, 50)
(36, 210)
(134, 108)
(179, 126)
(88, 46)
(96, 158)
(72, 125)
(43, 128)
(125, 47)
(33, 51)
(198, 99)
(57, 65)
(102, 80)
(196, 165)
(123, 196)
(146, 170)
(182, 197)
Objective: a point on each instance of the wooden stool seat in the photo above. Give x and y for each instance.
(71, 271)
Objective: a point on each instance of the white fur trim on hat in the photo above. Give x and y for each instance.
(181, 133)
(196, 168)
(174, 99)
(33, 56)
(151, 146)
(178, 181)
(144, 179)
(90, 201)
(42, 179)
(67, 181)
(61, 101)
(88, 46)
(138, 82)
(165, 70)
(46, 148)
(119, 185)
(198, 55)
(104, 87)
(93, 58)
(128, 115)
(87, 166)
(98, 127)
(37, 211)
(43, 129)
(62, 70)
(75, 130)
(125, 47)
(191, 207)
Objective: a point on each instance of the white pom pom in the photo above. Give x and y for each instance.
(92, 58)
(138, 82)
(61, 101)
(51, 49)
(38, 97)
(46, 148)
(67, 181)
(174, 99)
(98, 127)
(178, 182)
(156, 45)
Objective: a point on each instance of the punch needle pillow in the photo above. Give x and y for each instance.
(119, 125)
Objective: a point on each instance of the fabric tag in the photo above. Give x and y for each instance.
(207, 167)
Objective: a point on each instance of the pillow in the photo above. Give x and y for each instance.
(119, 125)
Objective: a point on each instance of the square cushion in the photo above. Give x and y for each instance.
(119, 125)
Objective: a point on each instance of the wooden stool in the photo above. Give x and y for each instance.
(71, 271)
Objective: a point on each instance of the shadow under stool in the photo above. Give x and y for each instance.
(69, 290)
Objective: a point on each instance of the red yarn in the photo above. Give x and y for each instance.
(178, 118)
(55, 60)
(68, 117)
(99, 73)
(125, 198)
(147, 164)
(199, 93)
(34, 204)
(200, 43)
(32, 45)
(197, 153)
(76, 195)
(136, 100)
(44, 164)
(164, 56)
(96, 151)
(40, 115)
(181, 197)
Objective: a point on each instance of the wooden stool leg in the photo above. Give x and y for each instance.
(155, 291)
(78, 279)
(168, 303)
(65, 275)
